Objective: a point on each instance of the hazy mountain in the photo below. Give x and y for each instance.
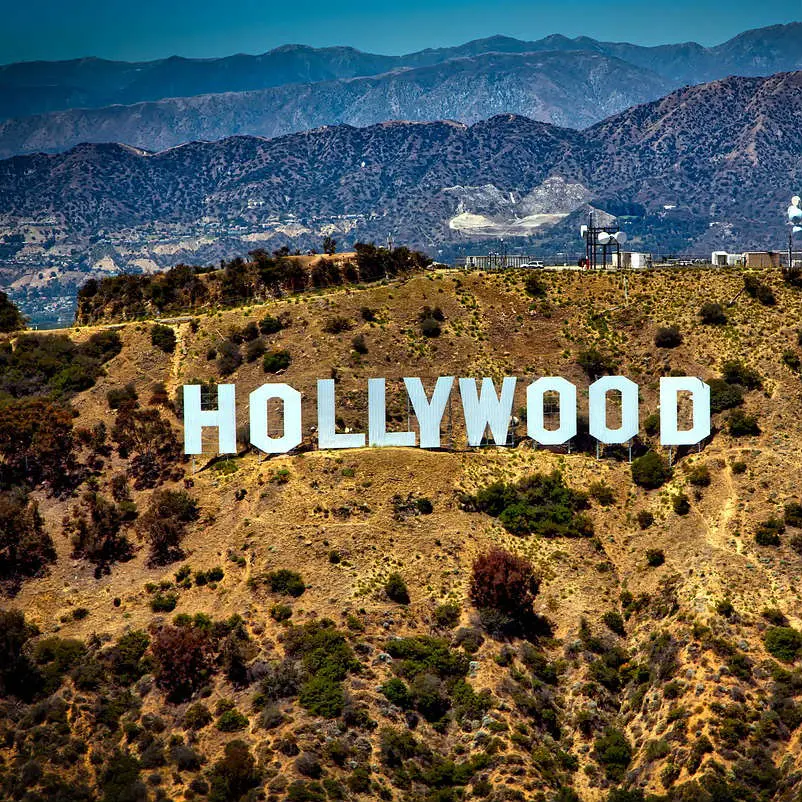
(30, 88)
(725, 156)
(568, 89)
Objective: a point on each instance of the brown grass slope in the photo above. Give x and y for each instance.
(298, 508)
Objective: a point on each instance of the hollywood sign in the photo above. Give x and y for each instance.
(483, 408)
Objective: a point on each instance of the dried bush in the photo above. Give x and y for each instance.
(183, 660)
(668, 337)
(503, 581)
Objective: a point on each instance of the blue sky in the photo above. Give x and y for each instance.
(146, 29)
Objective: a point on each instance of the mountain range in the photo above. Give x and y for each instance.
(52, 106)
(723, 157)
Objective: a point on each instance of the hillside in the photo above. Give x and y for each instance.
(660, 652)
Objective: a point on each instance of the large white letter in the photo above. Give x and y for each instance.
(224, 418)
(597, 409)
(293, 434)
(486, 409)
(327, 437)
(377, 419)
(670, 435)
(429, 414)
(535, 425)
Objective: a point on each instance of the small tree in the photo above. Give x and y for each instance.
(94, 528)
(650, 470)
(164, 524)
(329, 246)
(25, 546)
(183, 660)
(163, 337)
(10, 317)
(396, 589)
(503, 581)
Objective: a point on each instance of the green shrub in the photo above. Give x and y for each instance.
(680, 504)
(725, 608)
(793, 514)
(655, 557)
(645, 519)
(281, 612)
(614, 621)
(424, 506)
(650, 471)
(163, 337)
(602, 493)
(738, 467)
(736, 372)
(534, 286)
(652, 424)
(539, 504)
(613, 752)
(197, 716)
(10, 317)
(270, 325)
(274, 361)
(231, 721)
(768, 533)
(724, 396)
(367, 314)
(234, 775)
(337, 325)
(164, 603)
(285, 582)
(25, 546)
(594, 362)
(396, 589)
(784, 643)
(447, 616)
(792, 361)
(118, 396)
(429, 327)
(322, 696)
(359, 345)
(396, 691)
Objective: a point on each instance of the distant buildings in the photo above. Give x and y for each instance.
(753, 260)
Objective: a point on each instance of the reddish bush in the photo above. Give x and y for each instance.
(183, 658)
(503, 581)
